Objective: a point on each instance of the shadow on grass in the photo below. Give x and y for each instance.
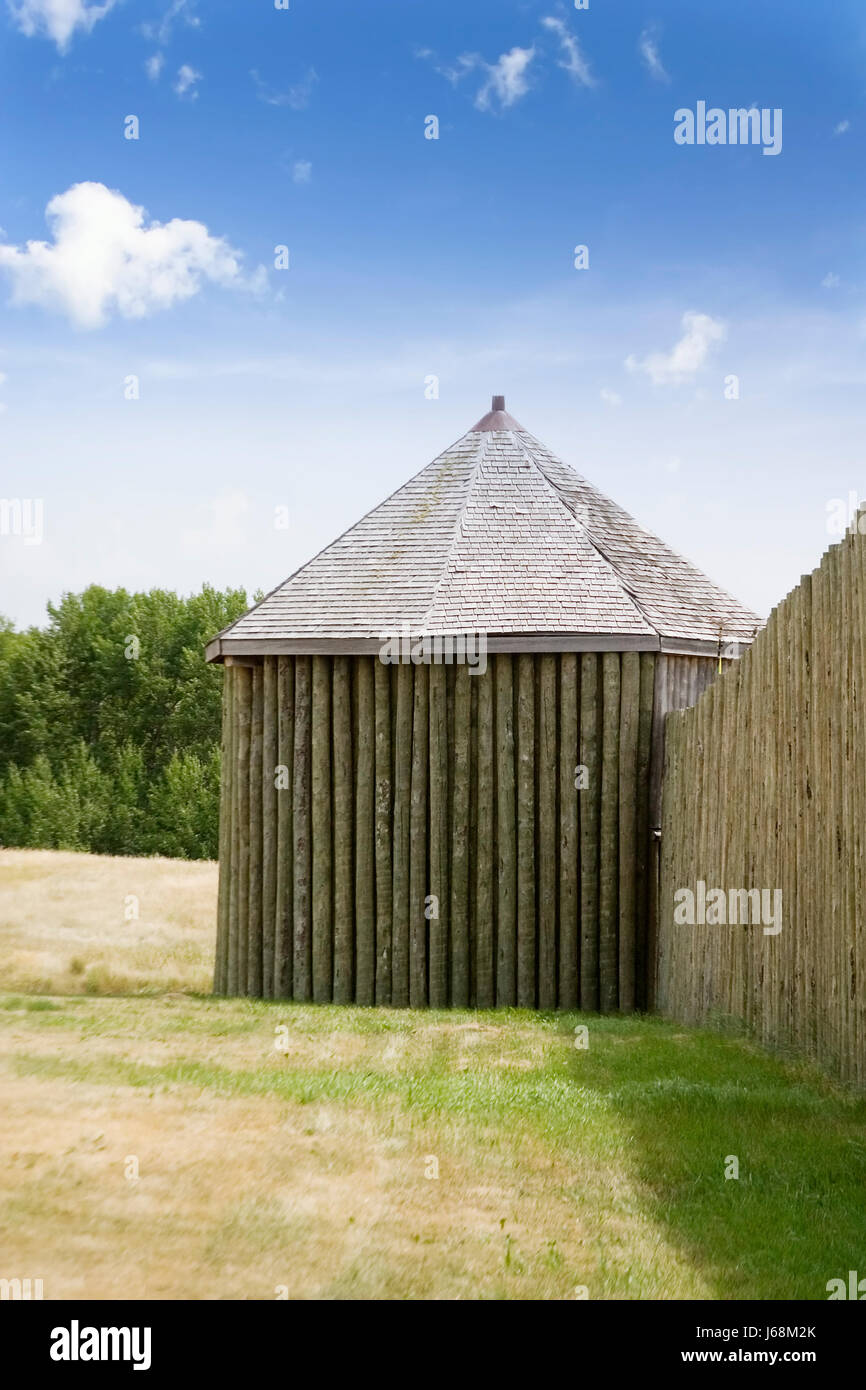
(693, 1101)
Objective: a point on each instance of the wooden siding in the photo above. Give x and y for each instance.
(418, 835)
(764, 789)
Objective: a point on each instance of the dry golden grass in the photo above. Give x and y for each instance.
(237, 1195)
(161, 1145)
(67, 923)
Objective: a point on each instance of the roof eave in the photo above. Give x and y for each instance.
(222, 649)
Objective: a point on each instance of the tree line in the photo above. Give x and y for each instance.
(110, 724)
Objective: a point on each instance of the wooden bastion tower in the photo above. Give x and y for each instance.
(442, 744)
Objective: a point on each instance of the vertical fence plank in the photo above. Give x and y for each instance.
(283, 941)
(232, 973)
(485, 864)
(270, 715)
(245, 701)
(254, 923)
(321, 820)
(461, 847)
(525, 793)
(645, 856)
(382, 686)
(547, 847)
(608, 954)
(404, 695)
(220, 981)
(568, 993)
(439, 887)
(343, 816)
(302, 832)
(629, 717)
(365, 832)
(590, 803)
(506, 879)
(418, 884)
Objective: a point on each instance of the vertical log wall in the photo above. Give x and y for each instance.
(422, 835)
(765, 788)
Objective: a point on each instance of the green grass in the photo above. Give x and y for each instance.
(603, 1167)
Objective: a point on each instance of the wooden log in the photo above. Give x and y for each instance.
(506, 873)
(322, 812)
(851, 769)
(270, 760)
(569, 841)
(384, 866)
(800, 792)
(245, 701)
(472, 830)
(646, 854)
(221, 954)
(859, 925)
(526, 831)
(418, 884)
(283, 934)
(733, 866)
(609, 836)
(439, 887)
(820, 851)
(548, 840)
(461, 842)
(723, 748)
(836, 681)
(663, 979)
(302, 832)
(365, 831)
(589, 808)
(233, 947)
(629, 720)
(786, 808)
(404, 697)
(255, 923)
(484, 861)
(343, 832)
(709, 802)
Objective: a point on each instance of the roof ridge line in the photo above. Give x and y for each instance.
(340, 537)
(629, 516)
(593, 542)
(483, 436)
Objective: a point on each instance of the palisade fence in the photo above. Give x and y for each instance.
(434, 836)
(765, 788)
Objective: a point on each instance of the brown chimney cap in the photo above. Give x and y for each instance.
(497, 418)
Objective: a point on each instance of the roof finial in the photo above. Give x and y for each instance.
(498, 403)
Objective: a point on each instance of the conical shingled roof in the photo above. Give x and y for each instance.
(495, 536)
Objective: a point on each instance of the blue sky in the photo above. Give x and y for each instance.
(264, 388)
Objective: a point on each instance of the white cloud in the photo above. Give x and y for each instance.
(179, 11)
(105, 258)
(610, 397)
(649, 52)
(296, 97)
(686, 357)
(831, 281)
(506, 78)
(467, 62)
(153, 66)
(57, 19)
(185, 83)
(302, 171)
(573, 61)
(841, 128)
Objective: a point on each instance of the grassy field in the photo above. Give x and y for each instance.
(158, 1143)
